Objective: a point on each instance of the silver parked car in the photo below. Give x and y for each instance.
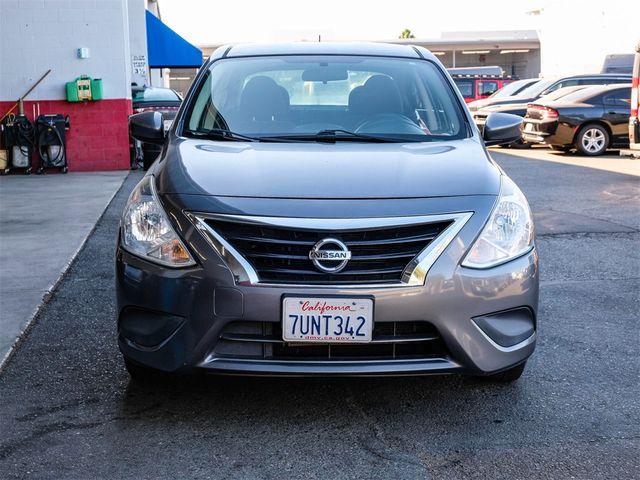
(322, 209)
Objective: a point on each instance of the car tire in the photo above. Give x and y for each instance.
(507, 376)
(560, 148)
(520, 144)
(143, 375)
(592, 140)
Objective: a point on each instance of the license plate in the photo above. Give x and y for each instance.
(327, 319)
(528, 127)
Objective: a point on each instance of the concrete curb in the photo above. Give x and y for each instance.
(32, 321)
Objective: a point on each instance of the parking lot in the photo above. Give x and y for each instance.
(68, 409)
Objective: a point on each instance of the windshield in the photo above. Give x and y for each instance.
(511, 88)
(535, 89)
(155, 95)
(300, 96)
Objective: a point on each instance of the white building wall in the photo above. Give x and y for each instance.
(36, 35)
(138, 42)
(161, 77)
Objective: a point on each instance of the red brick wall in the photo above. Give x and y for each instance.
(98, 138)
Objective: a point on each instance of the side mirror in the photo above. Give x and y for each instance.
(501, 129)
(147, 127)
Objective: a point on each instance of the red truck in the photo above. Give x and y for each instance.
(479, 86)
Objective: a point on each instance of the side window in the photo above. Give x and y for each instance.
(562, 84)
(619, 98)
(552, 88)
(486, 88)
(465, 87)
(574, 82)
(592, 81)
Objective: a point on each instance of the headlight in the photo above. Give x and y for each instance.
(509, 232)
(146, 230)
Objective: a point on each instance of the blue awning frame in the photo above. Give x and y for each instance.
(167, 49)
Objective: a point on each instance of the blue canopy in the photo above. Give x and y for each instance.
(167, 49)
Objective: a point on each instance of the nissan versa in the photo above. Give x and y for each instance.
(326, 209)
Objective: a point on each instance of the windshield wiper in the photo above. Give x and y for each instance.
(228, 135)
(221, 134)
(332, 136)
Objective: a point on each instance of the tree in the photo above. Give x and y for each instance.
(406, 33)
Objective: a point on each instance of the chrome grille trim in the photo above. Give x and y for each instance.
(414, 274)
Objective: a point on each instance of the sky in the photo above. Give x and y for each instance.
(205, 22)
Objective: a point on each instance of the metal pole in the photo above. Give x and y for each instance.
(35, 85)
(20, 102)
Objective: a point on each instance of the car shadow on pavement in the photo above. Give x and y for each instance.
(217, 396)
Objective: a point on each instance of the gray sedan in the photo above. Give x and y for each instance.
(326, 209)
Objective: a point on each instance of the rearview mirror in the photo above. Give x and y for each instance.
(501, 129)
(324, 74)
(147, 127)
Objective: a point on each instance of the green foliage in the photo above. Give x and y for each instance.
(406, 33)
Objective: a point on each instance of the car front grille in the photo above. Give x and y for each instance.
(281, 255)
(390, 341)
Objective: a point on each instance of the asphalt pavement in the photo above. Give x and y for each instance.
(68, 409)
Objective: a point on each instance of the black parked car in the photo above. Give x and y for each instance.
(589, 120)
(152, 99)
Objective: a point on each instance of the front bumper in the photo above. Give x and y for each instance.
(175, 320)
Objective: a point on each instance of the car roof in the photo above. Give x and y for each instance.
(322, 48)
(597, 75)
(589, 91)
(596, 89)
(561, 92)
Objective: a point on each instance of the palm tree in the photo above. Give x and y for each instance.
(406, 33)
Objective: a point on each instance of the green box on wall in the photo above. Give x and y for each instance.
(84, 88)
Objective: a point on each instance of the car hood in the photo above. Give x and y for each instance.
(344, 170)
(505, 107)
(506, 101)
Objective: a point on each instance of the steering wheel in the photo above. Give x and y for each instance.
(393, 123)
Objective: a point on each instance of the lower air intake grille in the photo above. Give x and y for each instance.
(390, 341)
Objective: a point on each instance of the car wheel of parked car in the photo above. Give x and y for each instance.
(560, 148)
(592, 140)
(519, 144)
(507, 376)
